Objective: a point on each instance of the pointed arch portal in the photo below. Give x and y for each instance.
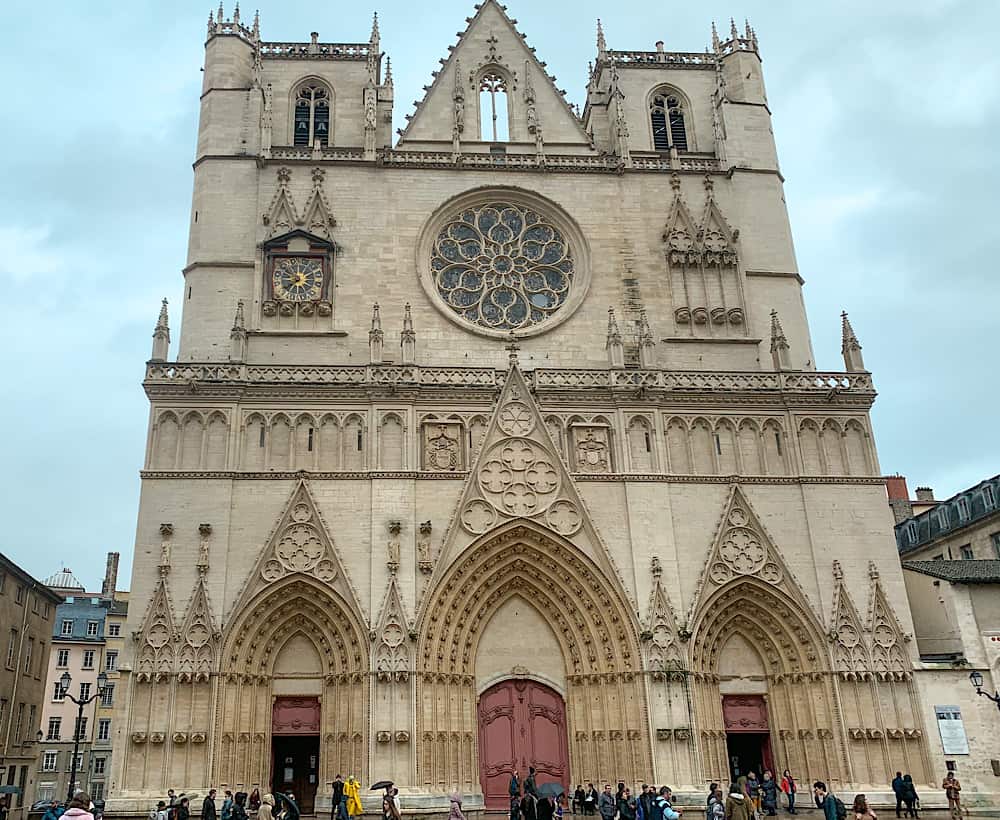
(605, 706)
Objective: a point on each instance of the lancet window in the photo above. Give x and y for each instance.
(312, 115)
(666, 115)
(494, 116)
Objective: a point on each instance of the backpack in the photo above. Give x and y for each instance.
(838, 804)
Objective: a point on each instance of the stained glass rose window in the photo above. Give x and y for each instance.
(502, 266)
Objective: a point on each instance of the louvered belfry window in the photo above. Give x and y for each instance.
(312, 115)
(666, 115)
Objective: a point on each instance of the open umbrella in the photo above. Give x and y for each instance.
(291, 809)
(381, 784)
(551, 790)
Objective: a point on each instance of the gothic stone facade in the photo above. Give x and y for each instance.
(574, 474)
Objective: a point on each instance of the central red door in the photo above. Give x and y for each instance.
(521, 724)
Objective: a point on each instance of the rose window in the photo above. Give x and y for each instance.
(502, 266)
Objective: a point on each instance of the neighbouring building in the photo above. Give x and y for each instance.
(956, 625)
(27, 608)
(964, 527)
(87, 639)
(503, 444)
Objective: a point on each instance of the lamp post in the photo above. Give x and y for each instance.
(976, 679)
(64, 682)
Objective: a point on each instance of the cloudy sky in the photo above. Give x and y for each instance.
(883, 114)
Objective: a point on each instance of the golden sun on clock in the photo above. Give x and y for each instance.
(297, 279)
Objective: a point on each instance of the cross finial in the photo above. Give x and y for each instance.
(512, 347)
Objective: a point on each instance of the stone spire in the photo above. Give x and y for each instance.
(850, 347)
(388, 73)
(374, 40)
(614, 345)
(646, 343)
(602, 45)
(716, 42)
(161, 336)
(376, 337)
(236, 16)
(620, 121)
(779, 345)
(255, 31)
(238, 336)
(408, 338)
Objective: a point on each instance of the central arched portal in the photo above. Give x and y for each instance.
(522, 723)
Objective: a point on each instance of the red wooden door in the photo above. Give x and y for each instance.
(521, 724)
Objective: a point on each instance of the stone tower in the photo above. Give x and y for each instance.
(502, 445)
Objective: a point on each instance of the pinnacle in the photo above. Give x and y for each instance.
(777, 332)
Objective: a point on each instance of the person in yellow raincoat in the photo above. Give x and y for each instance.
(352, 791)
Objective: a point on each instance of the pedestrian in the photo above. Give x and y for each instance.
(456, 807)
(253, 802)
(626, 805)
(769, 794)
(664, 809)
(79, 807)
(738, 806)
(833, 808)
(529, 783)
(183, 811)
(558, 815)
(515, 807)
(789, 787)
(514, 787)
(710, 796)
(338, 803)
(716, 805)
(544, 808)
(352, 788)
(952, 790)
(578, 797)
(897, 789)
(606, 803)
(590, 801)
(227, 805)
(910, 797)
(862, 811)
(266, 807)
(753, 790)
(529, 805)
(240, 806)
(54, 811)
(160, 812)
(646, 799)
(208, 806)
(4, 811)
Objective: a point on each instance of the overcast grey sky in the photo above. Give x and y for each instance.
(883, 114)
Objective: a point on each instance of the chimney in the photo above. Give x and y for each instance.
(899, 497)
(925, 494)
(110, 576)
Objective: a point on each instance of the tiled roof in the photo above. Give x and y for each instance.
(945, 517)
(959, 572)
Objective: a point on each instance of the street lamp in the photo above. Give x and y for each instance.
(64, 683)
(976, 679)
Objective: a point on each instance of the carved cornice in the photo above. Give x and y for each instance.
(806, 388)
(612, 478)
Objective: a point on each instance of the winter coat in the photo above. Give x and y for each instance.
(78, 814)
(456, 808)
(606, 805)
(266, 805)
(626, 808)
(769, 794)
(514, 789)
(738, 807)
(227, 808)
(788, 785)
(908, 793)
(208, 809)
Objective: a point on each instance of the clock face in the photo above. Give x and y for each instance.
(297, 279)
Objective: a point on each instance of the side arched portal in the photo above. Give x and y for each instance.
(754, 642)
(297, 638)
(606, 715)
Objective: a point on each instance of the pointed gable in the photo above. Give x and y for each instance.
(518, 473)
(300, 544)
(743, 549)
(847, 631)
(718, 240)
(887, 635)
(680, 232)
(451, 103)
(157, 636)
(392, 657)
(662, 648)
(199, 637)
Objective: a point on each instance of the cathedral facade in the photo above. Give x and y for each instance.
(502, 444)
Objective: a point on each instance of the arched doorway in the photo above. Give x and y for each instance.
(594, 629)
(522, 723)
(292, 705)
